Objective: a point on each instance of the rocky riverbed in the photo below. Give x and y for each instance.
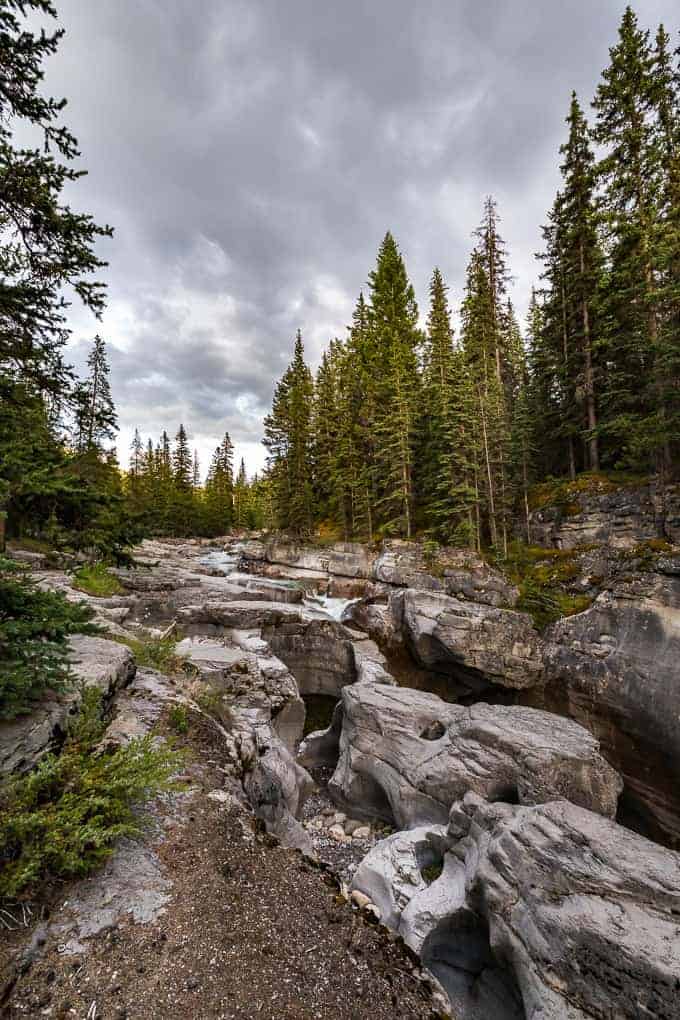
(483, 829)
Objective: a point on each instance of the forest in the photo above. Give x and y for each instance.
(409, 427)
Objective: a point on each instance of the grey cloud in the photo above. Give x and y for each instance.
(251, 154)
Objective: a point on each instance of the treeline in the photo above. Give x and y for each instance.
(166, 496)
(58, 478)
(405, 430)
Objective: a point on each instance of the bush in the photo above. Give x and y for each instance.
(178, 719)
(63, 819)
(156, 653)
(34, 627)
(95, 579)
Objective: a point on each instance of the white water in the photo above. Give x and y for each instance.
(325, 606)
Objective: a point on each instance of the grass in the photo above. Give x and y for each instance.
(95, 579)
(64, 818)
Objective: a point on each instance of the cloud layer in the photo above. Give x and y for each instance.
(251, 155)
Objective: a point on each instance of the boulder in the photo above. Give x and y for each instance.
(345, 559)
(616, 669)
(547, 911)
(583, 911)
(475, 644)
(95, 662)
(406, 756)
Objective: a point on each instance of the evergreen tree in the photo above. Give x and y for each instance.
(393, 365)
(288, 440)
(95, 413)
(630, 205)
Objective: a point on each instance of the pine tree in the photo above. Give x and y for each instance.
(393, 366)
(288, 440)
(241, 502)
(582, 266)
(219, 489)
(95, 413)
(629, 176)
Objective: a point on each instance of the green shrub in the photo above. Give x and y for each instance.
(63, 819)
(178, 719)
(156, 653)
(34, 628)
(95, 579)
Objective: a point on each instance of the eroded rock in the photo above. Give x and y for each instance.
(406, 756)
(616, 669)
(476, 644)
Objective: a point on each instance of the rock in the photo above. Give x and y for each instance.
(96, 662)
(617, 517)
(347, 559)
(322, 747)
(337, 833)
(363, 832)
(351, 825)
(139, 706)
(319, 653)
(391, 874)
(370, 664)
(277, 788)
(405, 756)
(475, 644)
(458, 572)
(583, 912)
(214, 618)
(616, 669)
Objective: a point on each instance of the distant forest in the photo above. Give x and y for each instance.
(402, 431)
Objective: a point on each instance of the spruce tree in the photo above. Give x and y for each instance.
(95, 413)
(629, 199)
(288, 440)
(393, 365)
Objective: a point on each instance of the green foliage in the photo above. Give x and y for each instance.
(178, 719)
(543, 577)
(156, 653)
(34, 628)
(95, 579)
(64, 818)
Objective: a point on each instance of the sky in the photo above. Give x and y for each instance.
(251, 155)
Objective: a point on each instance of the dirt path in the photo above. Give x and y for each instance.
(235, 927)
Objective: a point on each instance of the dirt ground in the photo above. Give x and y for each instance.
(246, 929)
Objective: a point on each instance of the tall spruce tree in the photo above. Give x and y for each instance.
(95, 412)
(624, 104)
(288, 440)
(394, 340)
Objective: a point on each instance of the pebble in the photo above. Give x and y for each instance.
(363, 832)
(351, 826)
(360, 899)
(337, 833)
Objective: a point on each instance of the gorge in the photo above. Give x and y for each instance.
(519, 834)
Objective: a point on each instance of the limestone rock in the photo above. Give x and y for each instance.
(474, 643)
(616, 669)
(318, 652)
(406, 756)
(277, 788)
(458, 572)
(96, 662)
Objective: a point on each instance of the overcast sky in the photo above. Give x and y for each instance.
(251, 155)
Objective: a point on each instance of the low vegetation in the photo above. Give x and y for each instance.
(63, 819)
(95, 579)
(34, 630)
(156, 653)
(543, 576)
